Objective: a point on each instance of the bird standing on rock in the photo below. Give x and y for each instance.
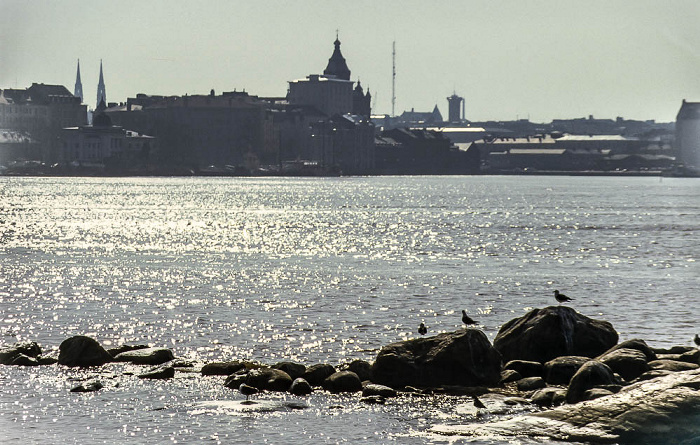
(697, 340)
(561, 298)
(247, 390)
(422, 330)
(466, 319)
(478, 403)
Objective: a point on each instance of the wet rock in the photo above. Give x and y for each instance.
(674, 350)
(46, 360)
(373, 400)
(300, 387)
(560, 370)
(235, 380)
(464, 357)
(146, 356)
(662, 410)
(270, 379)
(591, 374)
(629, 363)
(595, 393)
(547, 397)
(672, 365)
(222, 368)
(526, 368)
(162, 373)
(509, 375)
(530, 383)
(82, 351)
(316, 374)
(362, 368)
(295, 370)
(637, 344)
(23, 360)
(544, 334)
(342, 381)
(691, 357)
(654, 373)
(124, 348)
(28, 349)
(88, 387)
(373, 389)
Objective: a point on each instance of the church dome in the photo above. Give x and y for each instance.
(336, 64)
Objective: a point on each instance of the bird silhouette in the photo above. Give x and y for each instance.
(247, 390)
(478, 403)
(422, 330)
(561, 298)
(697, 340)
(466, 319)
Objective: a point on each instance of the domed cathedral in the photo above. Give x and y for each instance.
(332, 92)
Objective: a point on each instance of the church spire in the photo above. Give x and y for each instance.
(78, 92)
(336, 64)
(101, 94)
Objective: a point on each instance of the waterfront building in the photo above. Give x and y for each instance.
(78, 91)
(101, 92)
(455, 106)
(688, 134)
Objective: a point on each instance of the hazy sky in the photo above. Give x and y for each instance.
(510, 59)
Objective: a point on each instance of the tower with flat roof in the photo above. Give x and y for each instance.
(455, 108)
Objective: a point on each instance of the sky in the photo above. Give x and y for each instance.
(535, 59)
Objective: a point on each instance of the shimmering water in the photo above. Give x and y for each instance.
(315, 270)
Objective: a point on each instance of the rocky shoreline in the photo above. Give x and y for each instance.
(585, 385)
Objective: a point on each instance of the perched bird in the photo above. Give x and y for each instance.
(478, 403)
(247, 390)
(422, 330)
(697, 340)
(561, 298)
(466, 319)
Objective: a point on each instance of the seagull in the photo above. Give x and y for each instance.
(466, 319)
(697, 340)
(422, 330)
(247, 390)
(478, 403)
(561, 298)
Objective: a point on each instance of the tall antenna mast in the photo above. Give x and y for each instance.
(393, 79)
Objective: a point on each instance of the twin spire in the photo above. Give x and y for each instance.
(101, 94)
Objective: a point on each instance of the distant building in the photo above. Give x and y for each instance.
(41, 111)
(101, 92)
(688, 134)
(17, 146)
(78, 91)
(103, 145)
(344, 144)
(456, 108)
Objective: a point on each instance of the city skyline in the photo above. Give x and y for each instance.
(543, 60)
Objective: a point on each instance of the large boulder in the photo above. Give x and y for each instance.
(544, 334)
(295, 370)
(526, 368)
(629, 363)
(672, 365)
(316, 374)
(82, 351)
(8, 354)
(560, 370)
(639, 345)
(342, 381)
(300, 387)
(590, 375)
(222, 368)
(269, 378)
(362, 368)
(146, 356)
(464, 357)
(662, 410)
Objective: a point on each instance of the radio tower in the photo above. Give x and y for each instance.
(393, 79)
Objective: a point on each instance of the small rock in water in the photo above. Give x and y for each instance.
(163, 373)
(88, 387)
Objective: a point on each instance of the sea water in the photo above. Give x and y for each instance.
(315, 270)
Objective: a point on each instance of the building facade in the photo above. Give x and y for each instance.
(688, 134)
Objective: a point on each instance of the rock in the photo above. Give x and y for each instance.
(234, 380)
(300, 387)
(9, 353)
(691, 357)
(295, 370)
(162, 373)
(270, 379)
(637, 344)
(526, 368)
(373, 389)
(464, 357)
(23, 360)
(544, 334)
(662, 410)
(509, 375)
(530, 383)
(222, 368)
(88, 387)
(46, 360)
(560, 370)
(124, 348)
(591, 374)
(547, 397)
(146, 356)
(362, 368)
(342, 381)
(672, 365)
(595, 393)
(316, 374)
(674, 350)
(629, 363)
(654, 373)
(373, 400)
(82, 351)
